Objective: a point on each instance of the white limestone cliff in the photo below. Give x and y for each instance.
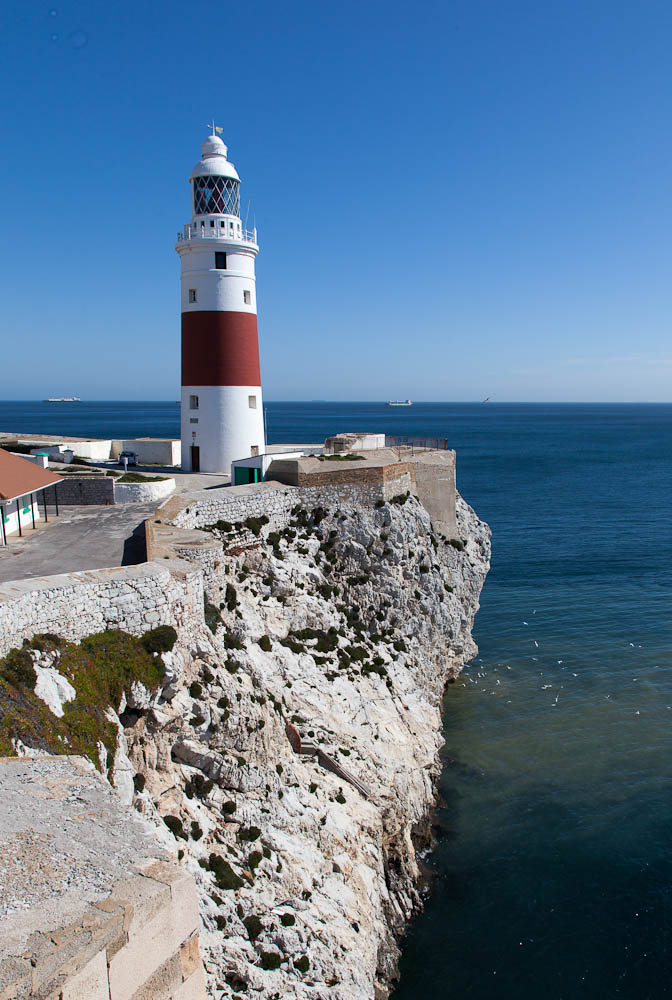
(305, 883)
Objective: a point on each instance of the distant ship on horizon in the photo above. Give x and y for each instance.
(63, 399)
(400, 402)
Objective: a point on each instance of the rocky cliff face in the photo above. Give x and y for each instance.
(334, 636)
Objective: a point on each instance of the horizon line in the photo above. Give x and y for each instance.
(384, 402)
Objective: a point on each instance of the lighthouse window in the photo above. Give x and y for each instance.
(220, 260)
(192, 294)
(252, 402)
(247, 297)
(212, 223)
(216, 195)
(193, 402)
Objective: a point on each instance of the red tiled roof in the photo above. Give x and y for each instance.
(18, 477)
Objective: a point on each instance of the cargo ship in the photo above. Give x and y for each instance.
(400, 402)
(63, 399)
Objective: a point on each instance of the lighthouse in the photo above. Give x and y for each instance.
(222, 415)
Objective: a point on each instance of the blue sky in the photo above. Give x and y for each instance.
(453, 200)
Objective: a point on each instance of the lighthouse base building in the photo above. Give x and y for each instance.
(222, 412)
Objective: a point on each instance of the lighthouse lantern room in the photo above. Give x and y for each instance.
(222, 413)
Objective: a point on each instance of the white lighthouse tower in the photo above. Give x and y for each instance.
(222, 414)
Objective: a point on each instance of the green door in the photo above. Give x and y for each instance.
(242, 475)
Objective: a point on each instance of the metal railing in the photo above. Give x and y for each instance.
(215, 233)
(417, 443)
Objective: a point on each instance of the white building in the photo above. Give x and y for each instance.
(222, 413)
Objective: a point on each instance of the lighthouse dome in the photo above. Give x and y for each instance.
(213, 160)
(215, 181)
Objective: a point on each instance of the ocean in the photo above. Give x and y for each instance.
(552, 870)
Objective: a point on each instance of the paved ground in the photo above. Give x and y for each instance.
(91, 537)
(81, 538)
(186, 481)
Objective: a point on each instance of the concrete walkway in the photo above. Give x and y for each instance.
(81, 538)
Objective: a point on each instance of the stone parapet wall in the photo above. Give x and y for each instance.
(430, 477)
(275, 500)
(175, 533)
(84, 490)
(74, 605)
(87, 490)
(331, 474)
(349, 474)
(405, 481)
(363, 494)
(143, 492)
(436, 488)
(235, 503)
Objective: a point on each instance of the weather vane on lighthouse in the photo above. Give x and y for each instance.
(216, 130)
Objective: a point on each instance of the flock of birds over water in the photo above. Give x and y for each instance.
(482, 676)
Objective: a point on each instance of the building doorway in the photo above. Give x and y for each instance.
(243, 475)
(195, 458)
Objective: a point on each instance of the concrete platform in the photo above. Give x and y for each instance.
(89, 907)
(65, 838)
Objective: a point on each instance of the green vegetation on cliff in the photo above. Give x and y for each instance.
(100, 669)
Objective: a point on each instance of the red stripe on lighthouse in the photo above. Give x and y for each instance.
(220, 348)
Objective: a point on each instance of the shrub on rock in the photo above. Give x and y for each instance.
(174, 824)
(160, 639)
(253, 926)
(225, 877)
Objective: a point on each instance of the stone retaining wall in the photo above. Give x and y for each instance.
(74, 605)
(275, 500)
(87, 490)
(232, 504)
(75, 490)
(173, 532)
(143, 492)
(334, 475)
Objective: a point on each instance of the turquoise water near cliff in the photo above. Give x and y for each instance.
(553, 865)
